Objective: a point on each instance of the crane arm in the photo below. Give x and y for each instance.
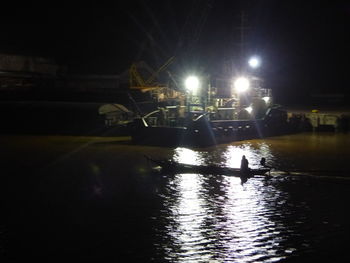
(155, 74)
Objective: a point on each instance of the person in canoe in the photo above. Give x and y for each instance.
(244, 170)
(263, 163)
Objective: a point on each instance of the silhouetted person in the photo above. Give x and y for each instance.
(263, 163)
(244, 170)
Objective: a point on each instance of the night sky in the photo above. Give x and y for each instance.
(304, 45)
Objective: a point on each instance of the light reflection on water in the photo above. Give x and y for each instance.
(298, 216)
(248, 235)
(107, 208)
(215, 218)
(187, 156)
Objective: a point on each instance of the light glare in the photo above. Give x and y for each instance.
(192, 84)
(266, 99)
(254, 62)
(241, 84)
(249, 109)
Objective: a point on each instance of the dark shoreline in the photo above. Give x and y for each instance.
(45, 117)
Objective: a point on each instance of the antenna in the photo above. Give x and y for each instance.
(242, 28)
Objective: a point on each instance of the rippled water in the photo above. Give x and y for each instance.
(268, 219)
(232, 224)
(101, 201)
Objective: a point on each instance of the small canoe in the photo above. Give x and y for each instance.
(174, 167)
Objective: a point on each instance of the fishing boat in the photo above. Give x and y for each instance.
(207, 118)
(207, 111)
(169, 166)
(203, 131)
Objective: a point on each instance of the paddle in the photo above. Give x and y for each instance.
(263, 163)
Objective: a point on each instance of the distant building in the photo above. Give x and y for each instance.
(25, 73)
(39, 78)
(28, 64)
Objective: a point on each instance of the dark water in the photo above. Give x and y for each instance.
(92, 199)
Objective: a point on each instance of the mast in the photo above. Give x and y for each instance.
(242, 32)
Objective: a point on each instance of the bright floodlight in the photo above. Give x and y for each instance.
(254, 62)
(192, 84)
(241, 84)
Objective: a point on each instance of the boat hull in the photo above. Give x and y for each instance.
(180, 168)
(204, 133)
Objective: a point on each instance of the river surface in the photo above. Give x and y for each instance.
(98, 199)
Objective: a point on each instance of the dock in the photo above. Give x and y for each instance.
(323, 119)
